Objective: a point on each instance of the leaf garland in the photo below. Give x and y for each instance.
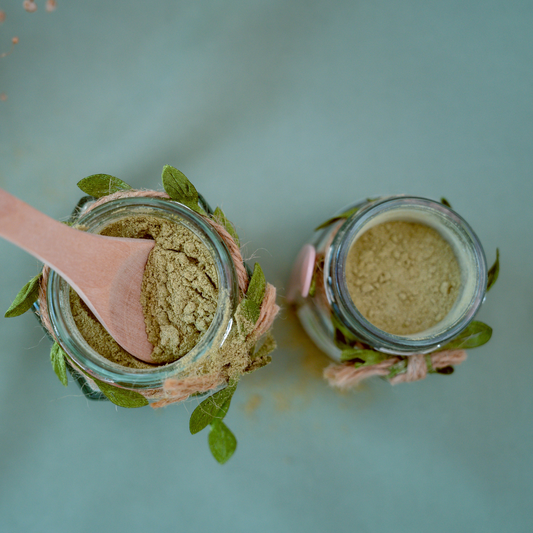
(26, 297)
(211, 411)
(494, 271)
(99, 185)
(59, 364)
(180, 189)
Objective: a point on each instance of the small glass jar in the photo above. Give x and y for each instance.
(319, 289)
(82, 356)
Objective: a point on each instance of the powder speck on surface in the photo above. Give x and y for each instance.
(403, 277)
(179, 292)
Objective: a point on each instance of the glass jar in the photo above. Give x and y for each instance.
(82, 356)
(319, 289)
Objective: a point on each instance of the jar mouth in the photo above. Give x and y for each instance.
(452, 228)
(71, 340)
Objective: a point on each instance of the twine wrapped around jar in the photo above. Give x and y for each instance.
(362, 348)
(177, 390)
(345, 376)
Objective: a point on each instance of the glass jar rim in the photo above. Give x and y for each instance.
(95, 364)
(342, 303)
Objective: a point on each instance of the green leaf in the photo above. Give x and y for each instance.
(220, 217)
(57, 358)
(362, 357)
(268, 346)
(312, 286)
(398, 368)
(342, 337)
(213, 408)
(257, 286)
(222, 441)
(445, 202)
(27, 296)
(494, 271)
(346, 214)
(476, 334)
(99, 185)
(180, 189)
(250, 307)
(121, 397)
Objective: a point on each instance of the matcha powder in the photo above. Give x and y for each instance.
(403, 277)
(179, 293)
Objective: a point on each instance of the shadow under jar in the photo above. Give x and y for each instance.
(320, 290)
(147, 381)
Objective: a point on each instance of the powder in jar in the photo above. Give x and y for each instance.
(179, 293)
(403, 277)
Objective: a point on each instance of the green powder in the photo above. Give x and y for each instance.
(179, 293)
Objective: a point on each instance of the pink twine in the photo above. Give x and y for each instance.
(242, 275)
(268, 313)
(43, 303)
(345, 376)
(179, 390)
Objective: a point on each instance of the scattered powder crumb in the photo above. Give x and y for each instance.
(403, 277)
(252, 404)
(179, 293)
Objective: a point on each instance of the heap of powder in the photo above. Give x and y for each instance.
(403, 277)
(179, 293)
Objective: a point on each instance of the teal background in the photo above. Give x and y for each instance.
(281, 113)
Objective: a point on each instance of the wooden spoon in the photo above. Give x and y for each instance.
(106, 272)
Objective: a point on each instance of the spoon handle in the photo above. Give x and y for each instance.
(50, 241)
(70, 252)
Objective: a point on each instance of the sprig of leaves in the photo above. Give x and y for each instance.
(59, 364)
(476, 334)
(342, 216)
(212, 411)
(220, 217)
(250, 307)
(494, 271)
(121, 397)
(26, 297)
(99, 185)
(363, 357)
(268, 346)
(342, 336)
(180, 189)
(222, 441)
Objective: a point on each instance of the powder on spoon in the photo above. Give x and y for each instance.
(179, 293)
(403, 277)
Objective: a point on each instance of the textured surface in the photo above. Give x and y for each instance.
(280, 112)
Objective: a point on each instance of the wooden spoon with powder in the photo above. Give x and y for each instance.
(106, 272)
